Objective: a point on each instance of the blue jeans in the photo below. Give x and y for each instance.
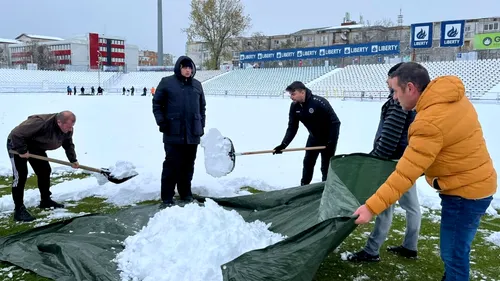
(409, 202)
(460, 219)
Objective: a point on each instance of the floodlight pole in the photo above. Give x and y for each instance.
(159, 56)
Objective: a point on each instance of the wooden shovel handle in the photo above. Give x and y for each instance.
(58, 161)
(284, 150)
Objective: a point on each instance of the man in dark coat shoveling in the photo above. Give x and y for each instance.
(179, 109)
(322, 123)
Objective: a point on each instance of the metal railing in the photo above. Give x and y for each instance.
(473, 95)
(366, 96)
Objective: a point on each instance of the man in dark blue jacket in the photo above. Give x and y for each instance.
(321, 121)
(179, 109)
(390, 143)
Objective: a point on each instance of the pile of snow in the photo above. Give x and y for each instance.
(121, 170)
(190, 243)
(216, 148)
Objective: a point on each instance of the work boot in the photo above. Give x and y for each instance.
(21, 214)
(363, 256)
(188, 199)
(402, 251)
(49, 203)
(167, 203)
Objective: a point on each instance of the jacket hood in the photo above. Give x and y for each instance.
(444, 89)
(184, 60)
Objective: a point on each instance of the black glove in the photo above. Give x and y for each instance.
(331, 147)
(163, 128)
(279, 148)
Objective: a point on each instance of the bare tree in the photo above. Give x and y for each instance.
(385, 22)
(216, 22)
(257, 42)
(291, 44)
(375, 32)
(168, 59)
(41, 55)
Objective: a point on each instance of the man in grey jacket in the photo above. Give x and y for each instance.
(390, 143)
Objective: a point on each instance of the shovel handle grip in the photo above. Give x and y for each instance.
(58, 161)
(284, 150)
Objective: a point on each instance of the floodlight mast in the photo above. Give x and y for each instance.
(159, 57)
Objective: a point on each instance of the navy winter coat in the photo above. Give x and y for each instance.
(179, 106)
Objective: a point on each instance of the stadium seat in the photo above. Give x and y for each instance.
(150, 79)
(479, 77)
(353, 81)
(262, 81)
(50, 81)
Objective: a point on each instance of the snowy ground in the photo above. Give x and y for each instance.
(122, 128)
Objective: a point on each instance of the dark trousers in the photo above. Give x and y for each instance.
(178, 169)
(310, 160)
(20, 175)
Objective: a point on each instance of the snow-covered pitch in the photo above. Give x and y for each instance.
(122, 129)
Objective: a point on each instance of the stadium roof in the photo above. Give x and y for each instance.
(307, 30)
(351, 26)
(43, 37)
(9, 41)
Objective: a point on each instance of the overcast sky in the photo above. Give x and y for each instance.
(136, 19)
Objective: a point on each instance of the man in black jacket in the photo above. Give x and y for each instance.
(179, 109)
(36, 135)
(321, 121)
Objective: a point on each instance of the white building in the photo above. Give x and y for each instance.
(81, 53)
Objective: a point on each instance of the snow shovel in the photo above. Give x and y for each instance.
(232, 154)
(103, 171)
(220, 157)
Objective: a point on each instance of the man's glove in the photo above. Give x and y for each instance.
(279, 148)
(331, 147)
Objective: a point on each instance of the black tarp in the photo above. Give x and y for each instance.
(316, 218)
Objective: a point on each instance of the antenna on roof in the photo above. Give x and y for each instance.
(400, 17)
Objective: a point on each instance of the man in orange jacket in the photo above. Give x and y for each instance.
(446, 143)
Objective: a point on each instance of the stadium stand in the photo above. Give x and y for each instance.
(262, 81)
(479, 77)
(353, 81)
(152, 79)
(18, 80)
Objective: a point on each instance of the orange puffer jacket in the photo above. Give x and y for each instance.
(446, 143)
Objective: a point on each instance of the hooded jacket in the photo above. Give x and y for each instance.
(179, 106)
(446, 143)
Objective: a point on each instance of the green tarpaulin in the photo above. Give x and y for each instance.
(316, 218)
